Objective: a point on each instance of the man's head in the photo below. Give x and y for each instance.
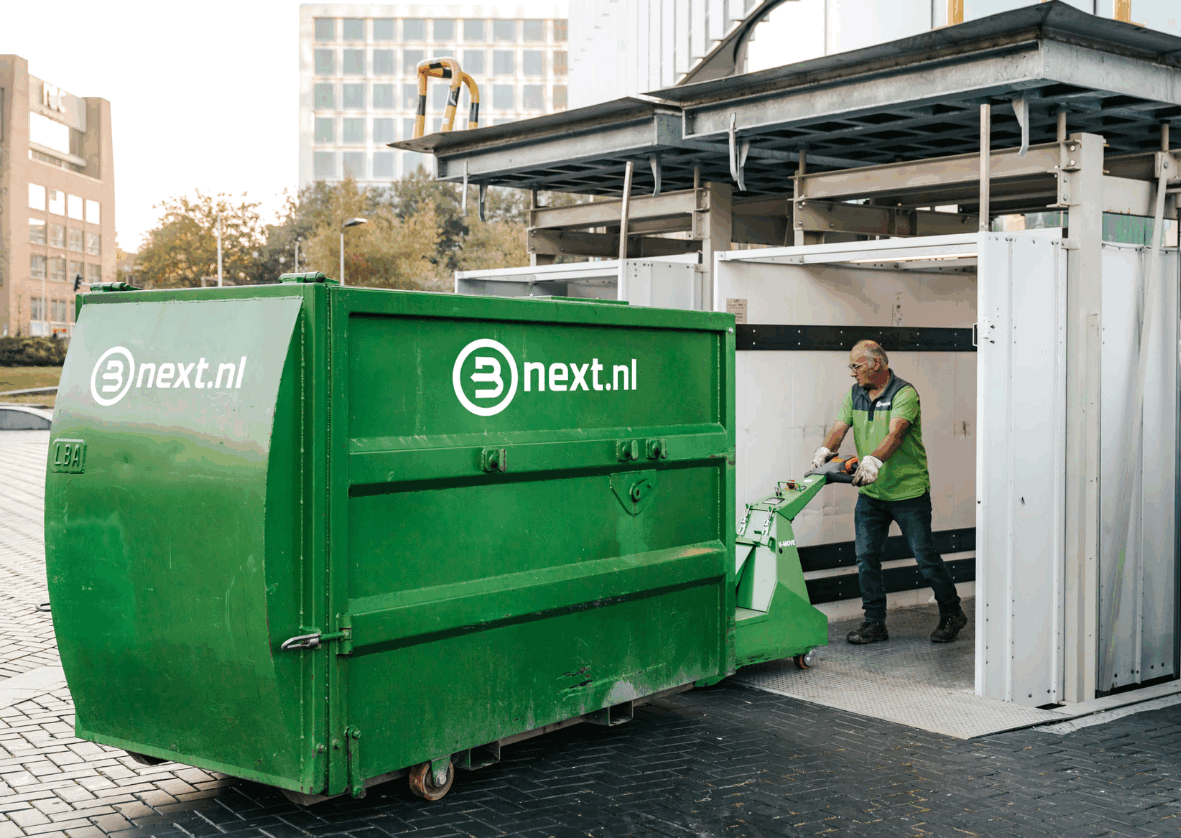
(869, 365)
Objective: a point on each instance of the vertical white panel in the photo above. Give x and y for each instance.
(1020, 537)
(667, 46)
(1137, 580)
(697, 30)
(719, 23)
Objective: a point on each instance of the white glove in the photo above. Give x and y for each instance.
(822, 456)
(867, 471)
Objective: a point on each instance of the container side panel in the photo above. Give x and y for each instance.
(578, 568)
(156, 556)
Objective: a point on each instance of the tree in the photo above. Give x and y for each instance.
(183, 248)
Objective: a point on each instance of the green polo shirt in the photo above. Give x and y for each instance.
(904, 475)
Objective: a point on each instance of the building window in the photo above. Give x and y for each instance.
(57, 235)
(412, 161)
(413, 29)
(92, 212)
(503, 97)
(354, 62)
(353, 130)
(325, 29)
(560, 30)
(533, 30)
(75, 239)
(75, 207)
(37, 266)
(533, 97)
(560, 67)
(94, 244)
(473, 31)
(439, 97)
(353, 29)
(57, 202)
(410, 59)
(57, 268)
(559, 97)
(504, 62)
(383, 132)
(325, 96)
(76, 270)
(94, 273)
(409, 97)
(354, 96)
(473, 62)
(533, 62)
(443, 30)
(58, 308)
(325, 62)
(407, 129)
(383, 164)
(36, 231)
(325, 129)
(36, 197)
(383, 96)
(325, 164)
(35, 309)
(354, 164)
(504, 31)
(383, 29)
(383, 62)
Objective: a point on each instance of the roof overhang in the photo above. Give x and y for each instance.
(917, 98)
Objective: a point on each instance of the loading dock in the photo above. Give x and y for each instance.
(1043, 109)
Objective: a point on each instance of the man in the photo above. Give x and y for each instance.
(883, 411)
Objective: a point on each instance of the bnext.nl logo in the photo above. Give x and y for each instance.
(115, 372)
(494, 364)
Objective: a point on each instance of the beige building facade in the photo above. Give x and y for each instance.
(57, 201)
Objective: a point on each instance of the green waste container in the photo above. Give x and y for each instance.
(317, 536)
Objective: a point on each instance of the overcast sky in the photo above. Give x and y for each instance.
(204, 96)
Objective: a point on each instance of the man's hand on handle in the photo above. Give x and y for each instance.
(822, 456)
(867, 471)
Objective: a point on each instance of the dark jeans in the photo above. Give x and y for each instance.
(872, 519)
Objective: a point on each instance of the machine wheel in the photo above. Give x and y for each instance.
(806, 660)
(144, 759)
(424, 783)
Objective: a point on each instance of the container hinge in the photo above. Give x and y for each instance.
(352, 738)
(313, 639)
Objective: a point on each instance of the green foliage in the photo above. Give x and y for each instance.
(32, 352)
(183, 248)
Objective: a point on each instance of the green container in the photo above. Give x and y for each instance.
(483, 516)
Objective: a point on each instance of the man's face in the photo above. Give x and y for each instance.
(862, 370)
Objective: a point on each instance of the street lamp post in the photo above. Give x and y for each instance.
(352, 222)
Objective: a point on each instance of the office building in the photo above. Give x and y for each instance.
(358, 85)
(57, 200)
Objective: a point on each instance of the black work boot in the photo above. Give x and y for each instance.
(870, 632)
(949, 627)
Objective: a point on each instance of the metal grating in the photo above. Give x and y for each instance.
(907, 680)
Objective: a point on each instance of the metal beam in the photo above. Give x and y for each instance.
(830, 216)
(607, 213)
(606, 245)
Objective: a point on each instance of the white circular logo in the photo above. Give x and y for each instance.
(489, 374)
(116, 377)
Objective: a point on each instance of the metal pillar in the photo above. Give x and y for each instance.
(986, 163)
(716, 230)
(1081, 183)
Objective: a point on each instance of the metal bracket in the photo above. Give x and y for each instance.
(654, 161)
(483, 199)
(657, 449)
(352, 739)
(494, 459)
(1021, 109)
(627, 450)
(737, 155)
(463, 200)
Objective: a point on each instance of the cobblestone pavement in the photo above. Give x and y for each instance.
(723, 761)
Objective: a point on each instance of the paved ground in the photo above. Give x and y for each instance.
(724, 761)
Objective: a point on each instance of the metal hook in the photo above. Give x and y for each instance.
(654, 160)
(1021, 109)
(483, 197)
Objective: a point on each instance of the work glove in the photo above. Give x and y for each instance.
(867, 471)
(822, 456)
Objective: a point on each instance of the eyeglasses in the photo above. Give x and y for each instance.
(855, 367)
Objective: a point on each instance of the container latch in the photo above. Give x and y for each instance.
(313, 640)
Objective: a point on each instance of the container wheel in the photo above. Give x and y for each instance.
(144, 759)
(425, 783)
(806, 660)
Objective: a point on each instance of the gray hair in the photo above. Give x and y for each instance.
(870, 349)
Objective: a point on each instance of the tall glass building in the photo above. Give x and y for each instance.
(358, 89)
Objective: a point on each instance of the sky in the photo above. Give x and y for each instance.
(204, 96)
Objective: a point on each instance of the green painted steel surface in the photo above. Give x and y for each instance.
(498, 514)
